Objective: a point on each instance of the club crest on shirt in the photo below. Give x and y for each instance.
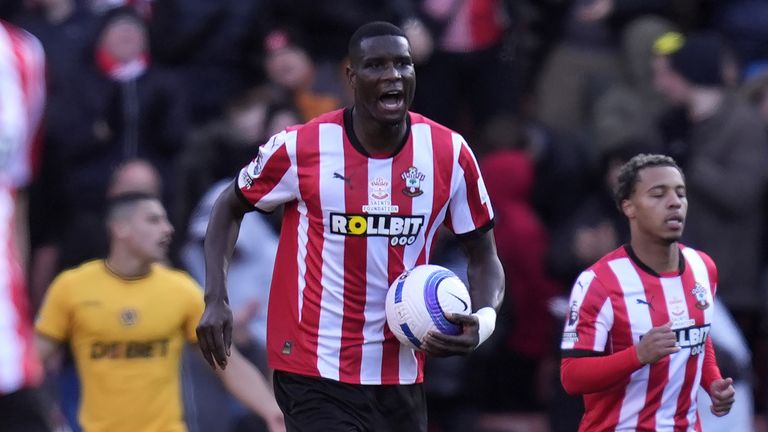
(380, 197)
(128, 317)
(700, 293)
(413, 178)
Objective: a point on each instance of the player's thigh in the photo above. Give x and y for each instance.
(401, 408)
(23, 411)
(314, 404)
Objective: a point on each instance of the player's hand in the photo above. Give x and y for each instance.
(214, 333)
(723, 396)
(658, 343)
(441, 345)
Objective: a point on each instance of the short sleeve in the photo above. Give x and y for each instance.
(54, 318)
(589, 319)
(195, 307)
(269, 180)
(470, 207)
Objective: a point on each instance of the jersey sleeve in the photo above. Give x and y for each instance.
(590, 318)
(470, 208)
(194, 308)
(269, 180)
(54, 318)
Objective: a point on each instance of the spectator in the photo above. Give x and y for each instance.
(289, 66)
(119, 109)
(218, 149)
(628, 110)
(521, 359)
(67, 30)
(467, 76)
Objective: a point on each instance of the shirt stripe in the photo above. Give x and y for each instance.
(640, 319)
(330, 326)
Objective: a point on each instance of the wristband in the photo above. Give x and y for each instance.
(486, 320)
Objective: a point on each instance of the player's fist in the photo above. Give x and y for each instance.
(658, 343)
(723, 396)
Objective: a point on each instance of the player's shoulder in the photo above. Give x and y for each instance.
(80, 276)
(87, 269)
(333, 117)
(175, 278)
(443, 138)
(601, 268)
(691, 253)
(419, 119)
(605, 261)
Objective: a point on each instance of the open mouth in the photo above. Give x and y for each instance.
(392, 100)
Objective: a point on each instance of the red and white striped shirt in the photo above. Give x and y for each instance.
(22, 94)
(612, 305)
(352, 223)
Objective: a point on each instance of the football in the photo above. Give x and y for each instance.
(418, 300)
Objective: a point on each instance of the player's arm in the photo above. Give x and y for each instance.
(720, 390)
(249, 386)
(46, 347)
(214, 332)
(486, 287)
(584, 372)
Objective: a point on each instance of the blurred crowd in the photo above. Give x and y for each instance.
(553, 96)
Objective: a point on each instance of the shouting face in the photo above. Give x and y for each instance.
(383, 78)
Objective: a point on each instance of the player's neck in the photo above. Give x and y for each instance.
(659, 257)
(377, 137)
(125, 266)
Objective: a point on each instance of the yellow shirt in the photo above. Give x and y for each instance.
(126, 336)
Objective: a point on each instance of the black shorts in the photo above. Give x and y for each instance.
(23, 411)
(318, 404)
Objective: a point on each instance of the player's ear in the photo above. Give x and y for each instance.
(628, 208)
(351, 75)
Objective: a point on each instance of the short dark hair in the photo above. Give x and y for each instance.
(629, 172)
(122, 201)
(371, 29)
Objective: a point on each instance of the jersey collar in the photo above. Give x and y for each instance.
(647, 269)
(350, 132)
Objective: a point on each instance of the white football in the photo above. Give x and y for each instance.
(418, 300)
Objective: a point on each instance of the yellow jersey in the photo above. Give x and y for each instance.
(126, 336)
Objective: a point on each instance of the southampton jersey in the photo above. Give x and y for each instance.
(126, 336)
(22, 93)
(612, 305)
(352, 223)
